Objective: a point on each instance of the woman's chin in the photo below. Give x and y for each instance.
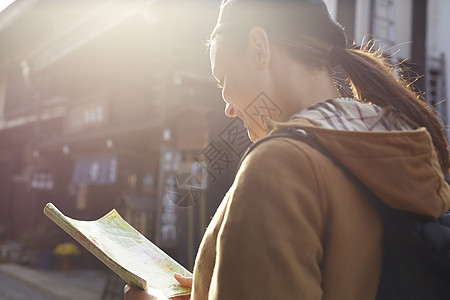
(254, 136)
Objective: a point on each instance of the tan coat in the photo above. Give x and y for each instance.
(295, 226)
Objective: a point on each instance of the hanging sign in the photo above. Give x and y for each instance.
(90, 113)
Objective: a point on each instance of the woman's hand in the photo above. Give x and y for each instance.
(132, 293)
(184, 281)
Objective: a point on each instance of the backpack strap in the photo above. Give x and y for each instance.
(310, 139)
(297, 134)
(388, 214)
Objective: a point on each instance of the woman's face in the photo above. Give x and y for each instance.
(242, 84)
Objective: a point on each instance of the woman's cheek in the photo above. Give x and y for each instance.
(255, 129)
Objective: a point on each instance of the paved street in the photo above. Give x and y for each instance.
(13, 289)
(20, 282)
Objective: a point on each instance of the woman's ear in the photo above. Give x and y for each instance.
(259, 46)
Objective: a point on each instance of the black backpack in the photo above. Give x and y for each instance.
(416, 261)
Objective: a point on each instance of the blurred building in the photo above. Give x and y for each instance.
(109, 104)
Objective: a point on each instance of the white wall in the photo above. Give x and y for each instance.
(438, 34)
(403, 25)
(332, 7)
(362, 20)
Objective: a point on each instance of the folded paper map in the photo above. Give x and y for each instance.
(125, 251)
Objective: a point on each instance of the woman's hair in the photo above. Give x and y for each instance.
(306, 31)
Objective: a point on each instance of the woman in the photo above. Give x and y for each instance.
(294, 225)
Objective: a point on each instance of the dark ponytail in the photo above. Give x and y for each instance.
(372, 79)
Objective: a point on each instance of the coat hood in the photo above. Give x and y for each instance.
(400, 167)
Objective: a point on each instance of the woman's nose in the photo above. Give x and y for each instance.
(230, 110)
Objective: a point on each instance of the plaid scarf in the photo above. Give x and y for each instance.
(352, 115)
